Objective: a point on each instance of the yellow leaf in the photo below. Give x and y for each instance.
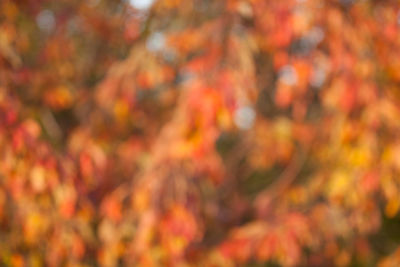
(121, 110)
(392, 207)
(34, 225)
(224, 119)
(283, 129)
(359, 156)
(339, 184)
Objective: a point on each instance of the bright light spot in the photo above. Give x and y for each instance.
(316, 35)
(244, 117)
(45, 21)
(245, 9)
(288, 75)
(318, 77)
(169, 54)
(141, 4)
(155, 42)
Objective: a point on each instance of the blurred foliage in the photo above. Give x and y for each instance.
(199, 133)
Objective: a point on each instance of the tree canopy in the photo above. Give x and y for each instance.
(199, 133)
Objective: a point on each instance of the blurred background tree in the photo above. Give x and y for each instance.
(199, 133)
